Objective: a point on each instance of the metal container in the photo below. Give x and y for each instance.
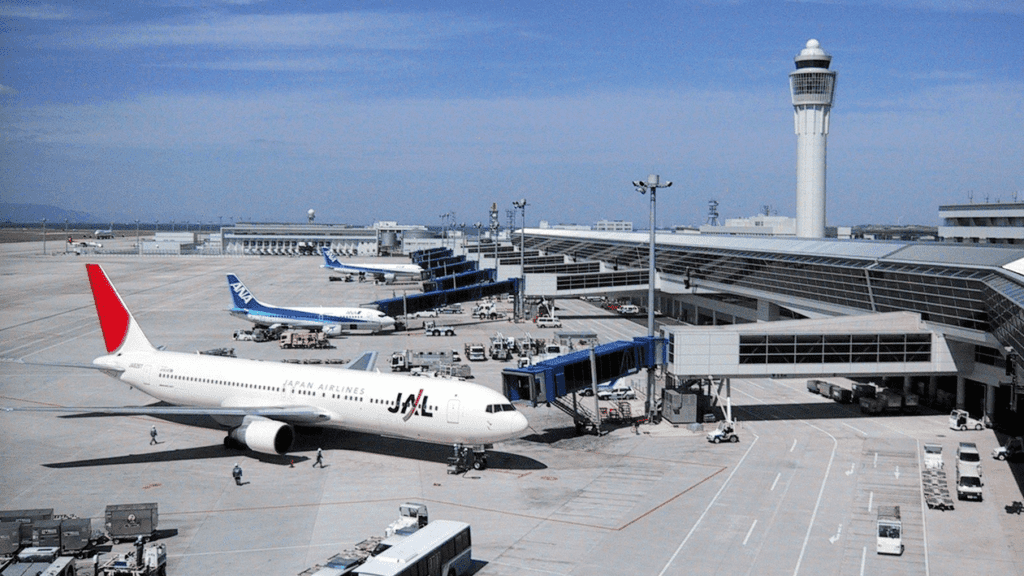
(26, 518)
(75, 534)
(46, 534)
(10, 537)
(129, 521)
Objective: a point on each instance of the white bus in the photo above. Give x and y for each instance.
(441, 548)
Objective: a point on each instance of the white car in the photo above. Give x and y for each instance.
(424, 314)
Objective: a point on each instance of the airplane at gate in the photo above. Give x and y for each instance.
(260, 402)
(334, 321)
(384, 272)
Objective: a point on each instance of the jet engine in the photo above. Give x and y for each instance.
(388, 278)
(332, 330)
(264, 435)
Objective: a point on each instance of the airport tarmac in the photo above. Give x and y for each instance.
(797, 494)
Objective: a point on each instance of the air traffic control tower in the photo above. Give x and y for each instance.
(812, 85)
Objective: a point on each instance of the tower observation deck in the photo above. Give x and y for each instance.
(812, 86)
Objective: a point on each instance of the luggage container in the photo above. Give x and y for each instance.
(10, 538)
(841, 395)
(46, 534)
(863, 391)
(25, 519)
(130, 521)
(75, 534)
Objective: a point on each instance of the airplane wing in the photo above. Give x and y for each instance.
(290, 414)
(364, 362)
(111, 371)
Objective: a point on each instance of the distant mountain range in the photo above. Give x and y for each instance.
(33, 213)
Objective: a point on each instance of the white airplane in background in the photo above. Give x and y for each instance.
(260, 402)
(384, 272)
(333, 321)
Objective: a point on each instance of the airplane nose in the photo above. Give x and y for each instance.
(519, 423)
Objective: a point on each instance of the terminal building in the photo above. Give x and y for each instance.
(942, 320)
(999, 223)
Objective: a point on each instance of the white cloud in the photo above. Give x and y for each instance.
(358, 30)
(40, 11)
(7, 91)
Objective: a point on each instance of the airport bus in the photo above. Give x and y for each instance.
(441, 548)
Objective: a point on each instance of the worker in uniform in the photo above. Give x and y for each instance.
(237, 474)
(152, 436)
(319, 458)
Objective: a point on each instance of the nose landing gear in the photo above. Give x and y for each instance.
(467, 457)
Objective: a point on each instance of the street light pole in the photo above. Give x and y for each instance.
(44, 236)
(138, 243)
(66, 236)
(651, 185)
(521, 304)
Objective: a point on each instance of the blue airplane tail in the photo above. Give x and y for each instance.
(240, 295)
(329, 260)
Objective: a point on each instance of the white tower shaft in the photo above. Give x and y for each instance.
(812, 86)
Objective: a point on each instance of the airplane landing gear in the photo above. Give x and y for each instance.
(474, 457)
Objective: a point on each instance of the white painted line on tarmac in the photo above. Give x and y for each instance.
(708, 507)
(793, 447)
(749, 532)
(876, 460)
(777, 476)
(821, 494)
(857, 430)
(863, 559)
(871, 500)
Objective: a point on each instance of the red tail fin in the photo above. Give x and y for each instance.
(116, 321)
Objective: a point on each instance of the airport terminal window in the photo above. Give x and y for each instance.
(834, 348)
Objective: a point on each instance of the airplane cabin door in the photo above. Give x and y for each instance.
(453, 411)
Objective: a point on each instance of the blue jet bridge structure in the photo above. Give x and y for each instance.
(403, 305)
(550, 381)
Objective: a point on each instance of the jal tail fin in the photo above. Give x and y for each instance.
(329, 261)
(240, 295)
(121, 333)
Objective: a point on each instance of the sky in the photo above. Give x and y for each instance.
(253, 110)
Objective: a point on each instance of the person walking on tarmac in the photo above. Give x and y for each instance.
(237, 474)
(319, 458)
(152, 436)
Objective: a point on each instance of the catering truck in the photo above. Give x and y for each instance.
(890, 531)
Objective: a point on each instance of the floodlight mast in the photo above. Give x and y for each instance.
(521, 293)
(651, 185)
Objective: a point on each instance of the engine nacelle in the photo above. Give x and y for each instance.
(264, 435)
(332, 330)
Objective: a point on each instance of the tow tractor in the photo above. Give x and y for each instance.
(467, 457)
(726, 432)
(961, 420)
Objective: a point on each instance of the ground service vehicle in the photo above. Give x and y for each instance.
(38, 561)
(841, 395)
(1014, 447)
(628, 309)
(968, 459)
(475, 352)
(890, 531)
(961, 420)
(303, 339)
(726, 432)
(933, 457)
(430, 328)
(548, 322)
(406, 360)
(968, 487)
(487, 311)
(143, 561)
(442, 547)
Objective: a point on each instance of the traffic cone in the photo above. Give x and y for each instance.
(292, 465)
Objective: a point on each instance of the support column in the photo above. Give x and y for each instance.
(767, 311)
(961, 392)
(990, 403)
(907, 385)
(932, 390)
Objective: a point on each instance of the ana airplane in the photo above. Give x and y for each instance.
(104, 234)
(83, 243)
(260, 402)
(383, 272)
(333, 321)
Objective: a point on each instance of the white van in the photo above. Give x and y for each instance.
(629, 309)
(548, 322)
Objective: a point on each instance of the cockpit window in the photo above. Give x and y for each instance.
(492, 408)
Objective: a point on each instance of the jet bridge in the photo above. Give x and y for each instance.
(551, 380)
(403, 305)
